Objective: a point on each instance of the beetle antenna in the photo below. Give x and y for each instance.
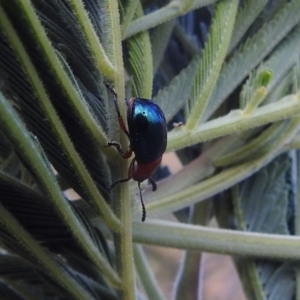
(153, 183)
(142, 202)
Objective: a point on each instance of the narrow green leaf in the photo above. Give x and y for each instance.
(268, 216)
(58, 127)
(140, 57)
(255, 90)
(128, 15)
(173, 97)
(36, 254)
(283, 59)
(23, 290)
(245, 17)
(160, 38)
(15, 130)
(49, 54)
(212, 59)
(270, 185)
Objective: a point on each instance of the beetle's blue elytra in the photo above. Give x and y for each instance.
(147, 132)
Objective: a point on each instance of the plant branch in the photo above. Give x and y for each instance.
(234, 122)
(223, 180)
(123, 240)
(164, 14)
(146, 275)
(20, 138)
(211, 62)
(74, 95)
(223, 241)
(57, 125)
(100, 57)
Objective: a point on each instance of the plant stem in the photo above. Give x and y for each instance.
(234, 122)
(164, 14)
(146, 274)
(100, 57)
(223, 241)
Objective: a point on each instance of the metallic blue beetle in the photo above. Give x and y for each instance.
(147, 133)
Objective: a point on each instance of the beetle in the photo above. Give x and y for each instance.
(147, 133)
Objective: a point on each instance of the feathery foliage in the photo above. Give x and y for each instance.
(226, 75)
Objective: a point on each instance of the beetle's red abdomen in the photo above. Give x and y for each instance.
(141, 172)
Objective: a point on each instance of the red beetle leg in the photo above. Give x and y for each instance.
(122, 125)
(126, 154)
(120, 119)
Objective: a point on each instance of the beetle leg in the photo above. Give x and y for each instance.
(153, 183)
(120, 119)
(142, 202)
(126, 154)
(122, 125)
(119, 181)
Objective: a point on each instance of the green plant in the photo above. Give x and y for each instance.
(239, 97)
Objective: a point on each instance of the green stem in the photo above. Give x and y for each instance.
(223, 180)
(189, 280)
(186, 5)
(73, 95)
(92, 39)
(124, 237)
(164, 14)
(223, 241)
(255, 101)
(262, 144)
(234, 122)
(146, 275)
(129, 13)
(190, 47)
(248, 265)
